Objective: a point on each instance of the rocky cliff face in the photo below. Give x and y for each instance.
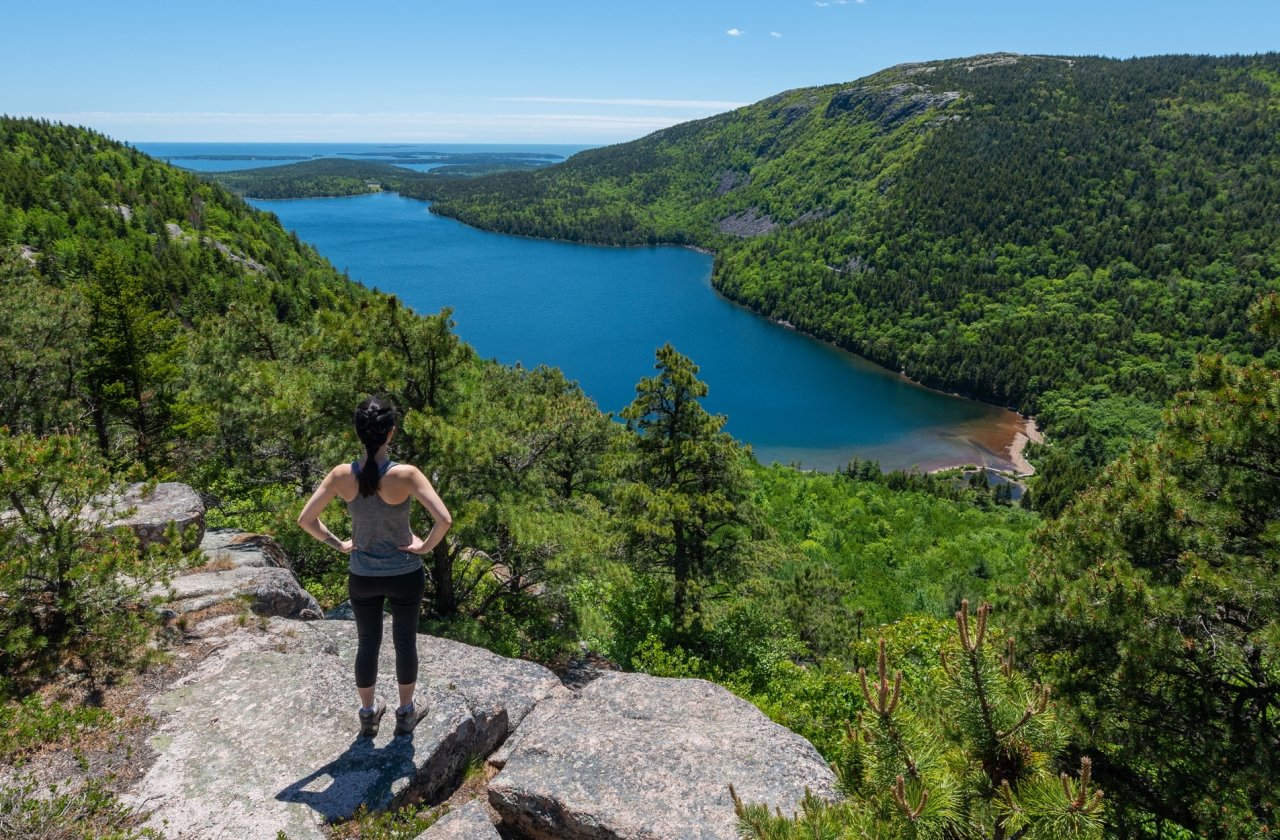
(260, 737)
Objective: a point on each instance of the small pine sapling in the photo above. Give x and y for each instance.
(973, 759)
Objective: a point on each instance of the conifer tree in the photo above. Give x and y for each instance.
(132, 370)
(974, 763)
(1154, 604)
(684, 495)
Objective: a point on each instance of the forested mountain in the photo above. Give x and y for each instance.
(153, 324)
(1060, 235)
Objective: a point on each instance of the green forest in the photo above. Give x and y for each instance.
(970, 668)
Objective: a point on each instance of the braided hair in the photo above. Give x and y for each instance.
(375, 417)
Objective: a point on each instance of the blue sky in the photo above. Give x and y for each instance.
(500, 71)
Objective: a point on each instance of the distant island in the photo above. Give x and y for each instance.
(315, 177)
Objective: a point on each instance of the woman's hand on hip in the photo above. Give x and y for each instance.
(416, 545)
(346, 546)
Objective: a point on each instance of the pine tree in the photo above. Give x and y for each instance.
(975, 763)
(1154, 604)
(683, 499)
(132, 369)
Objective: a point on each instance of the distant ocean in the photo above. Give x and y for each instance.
(222, 157)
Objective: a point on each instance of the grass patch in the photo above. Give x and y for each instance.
(29, 724)
(400, 824)
(87, 812)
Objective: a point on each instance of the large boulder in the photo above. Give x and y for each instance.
(262, 736)
(151, 512)
(639, 757)
(241, 568)
(470, 822)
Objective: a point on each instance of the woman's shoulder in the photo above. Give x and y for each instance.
(407, 471)
(342, 475)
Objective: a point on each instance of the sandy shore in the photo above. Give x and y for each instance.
(996, 443)
(1028, 434)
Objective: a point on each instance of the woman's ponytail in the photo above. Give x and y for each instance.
(375, 418)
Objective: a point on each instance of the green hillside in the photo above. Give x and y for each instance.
(1060, 235)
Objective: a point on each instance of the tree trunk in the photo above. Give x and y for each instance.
(680, 566)
(444, 599)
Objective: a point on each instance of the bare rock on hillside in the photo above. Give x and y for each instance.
(748, 223)
(236, 257)
(261, 736)
(633, 756)
(240, 567)
(150, 513)
(470, 822)
(730, 180)
(891, 106)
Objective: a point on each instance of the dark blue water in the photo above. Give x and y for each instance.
(599, 314)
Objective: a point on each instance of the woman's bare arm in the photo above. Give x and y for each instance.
(309, 519)
(441, 519)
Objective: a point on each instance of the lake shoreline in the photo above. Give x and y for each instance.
(1015, 435)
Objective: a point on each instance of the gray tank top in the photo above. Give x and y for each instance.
(377, 529)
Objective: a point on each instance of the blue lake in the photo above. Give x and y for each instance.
(599, 313)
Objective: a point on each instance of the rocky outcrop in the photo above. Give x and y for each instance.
(470, 822)
(177, 234)
(150, 512)
(748, 223)
(241, 568)
(730, 180)
(633, 756)
(262, 736)
(891, 106)
(239, 259)
(807, 216)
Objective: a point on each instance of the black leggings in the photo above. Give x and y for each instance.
(405, 594)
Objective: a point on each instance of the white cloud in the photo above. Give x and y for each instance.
(776, 34)
(735, 32)
(697, 104)
(347, 127)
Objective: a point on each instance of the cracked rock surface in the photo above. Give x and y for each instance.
(646, 758)
(470, 822)
(248, 567)
(262, 735)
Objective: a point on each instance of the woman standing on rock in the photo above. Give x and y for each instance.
(385, 557)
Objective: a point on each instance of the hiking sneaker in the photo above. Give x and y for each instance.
(370, 718)
(407, 718)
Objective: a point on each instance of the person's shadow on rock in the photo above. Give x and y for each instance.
(363, 775)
